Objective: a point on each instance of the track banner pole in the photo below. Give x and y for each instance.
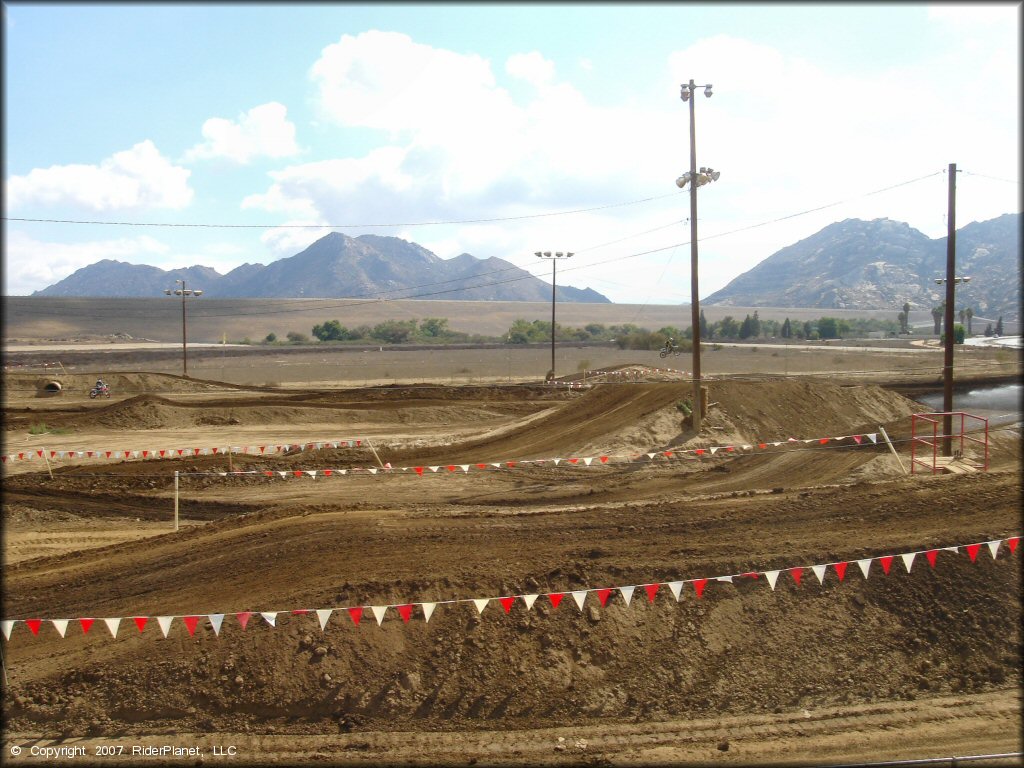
(375, 454)
(175, 499)
(891, 448)
(48, 469)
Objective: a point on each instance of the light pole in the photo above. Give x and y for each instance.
(184, 292)
(687, 91)
(554, 261)
(947, 367)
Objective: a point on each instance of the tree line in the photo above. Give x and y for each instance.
(436, 330)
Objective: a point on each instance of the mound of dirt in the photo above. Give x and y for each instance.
(740, 648)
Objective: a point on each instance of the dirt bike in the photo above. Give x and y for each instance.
(103, 391)
(669, 350)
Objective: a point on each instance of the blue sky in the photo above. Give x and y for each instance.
(466, 128)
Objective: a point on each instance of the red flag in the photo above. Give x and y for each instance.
(822, 441)
(797, 573)
(300, 611)
(418, 471)
(556, 598)
(603, 595)
(140, 622)
(699, 584)
(604, 459)
(451, 467)
(930, 554)
(356, 614)
(669, 454)
(405, 611)
(506, 602)
(33, 624)
(163, 453)
(762, 445)
(1012, 543)
(886, 563)
(327, 472)
(699, 451)
(190, 623)
(86, 624)
(481, 466)
(179, 452)
(215, 450)
(972, 550)
(108, 454)
(841, 569)
(652, 590)
(243, 617)
(195, 451)
(574, 461)
(510, 463)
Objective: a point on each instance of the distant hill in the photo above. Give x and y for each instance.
(335, 266)
(857, 264)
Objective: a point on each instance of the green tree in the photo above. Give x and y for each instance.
(906, 311)
(787, 329)
(394, 331)
(937, 315)
(828, 328)
(271, 338)
(296, 338)
(746, 328)
(434, 327)
(970, 316)
(704, 330)
(902, 318)
(999, 326)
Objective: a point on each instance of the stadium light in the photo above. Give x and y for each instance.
(184, 292)
(554, 260)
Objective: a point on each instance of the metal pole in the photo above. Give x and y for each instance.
(947, 369)
(554, 262)
(184, 336)
(175, 499)
(694, 300)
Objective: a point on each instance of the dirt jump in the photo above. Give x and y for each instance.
(503, 575)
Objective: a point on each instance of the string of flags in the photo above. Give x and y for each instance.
(579, 461)
(579, 597)
(174, 453)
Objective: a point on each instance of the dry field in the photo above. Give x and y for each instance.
(906, 663)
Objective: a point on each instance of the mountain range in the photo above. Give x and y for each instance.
(335, 266)
(877, 264)
(851, 264)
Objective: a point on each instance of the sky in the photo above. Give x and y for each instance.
(223, 134)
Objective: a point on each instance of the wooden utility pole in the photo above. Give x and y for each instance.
(947, 368)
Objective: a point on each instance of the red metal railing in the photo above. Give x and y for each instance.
(932, 441)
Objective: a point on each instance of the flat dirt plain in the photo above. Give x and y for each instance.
(903, 664)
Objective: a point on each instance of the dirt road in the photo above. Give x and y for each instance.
(906, 662)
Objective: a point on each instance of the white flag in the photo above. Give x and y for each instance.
(865, 566)
(481, 603)
(61, 625)
(908, 559)
(216, 619)
(772, 577)
(428, 610)
(165, 623)
(378, 612)
(270, 618)
(579, 597)
(529, 600)
(324, 614)
(112, 625)
(627, 593)
(819, 571)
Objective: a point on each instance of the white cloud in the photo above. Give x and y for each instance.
(136, 179)
(531, 67)
(31, 265)
(263, 131)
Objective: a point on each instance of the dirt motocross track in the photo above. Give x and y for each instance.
(899, 665)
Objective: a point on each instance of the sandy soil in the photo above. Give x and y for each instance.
(897, 666)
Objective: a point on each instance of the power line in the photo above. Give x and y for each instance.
(383, 295)
(339, 226)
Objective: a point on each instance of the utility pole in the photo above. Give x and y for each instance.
(947, 368)
(554, 261)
